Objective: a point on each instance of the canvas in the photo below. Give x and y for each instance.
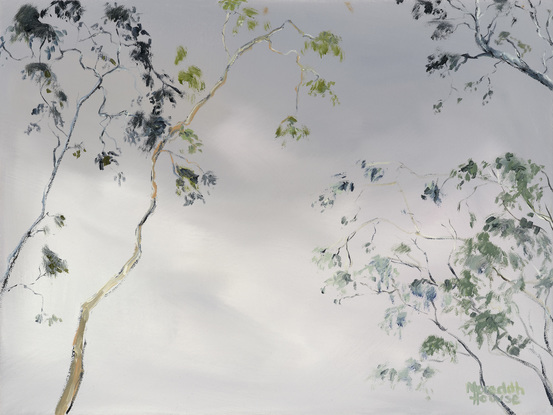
(276, 207)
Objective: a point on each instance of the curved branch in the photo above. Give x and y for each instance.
(241, 50)
(545, 382)
(514, 61)
(76, 369)
(503, 405)
(15, 253)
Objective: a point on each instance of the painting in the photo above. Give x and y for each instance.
(276, 207)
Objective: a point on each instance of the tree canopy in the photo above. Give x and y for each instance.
(482, 274)
(499, 32)
(58, 45)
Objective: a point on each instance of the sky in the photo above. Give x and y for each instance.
(224, 314)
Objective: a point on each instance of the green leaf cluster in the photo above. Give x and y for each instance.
(395, 319)
(487, 323)
(424, 289)
(248, 16)
(520, 180)
(43, 75)
(444, 63)
(412, 374)
(382, 272)
(187, 180)
(321, 88)
(516, 344)
(544, 281)
(438, 346)
(231, 5)
(79, 149)
(465, 286)
(40, 318)
(325, 43)
(327, 199)
(326, 259)
(339, 280)
(522, 47)
(402, 248)
(500, 264)
(189, 136)
(288, 128)
(53, 264)
(59, 220)
(181, 54)
(192, 77)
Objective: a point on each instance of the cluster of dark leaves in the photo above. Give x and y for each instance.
(27, 25)
(433, 192)
(209, 179)
(346, 185)
(53, 264)
(32, 127)
(374, 174)
(327, 199)
(430, 8)
(188, 181)
(157, 99)
(70, 10)
(142, 54)
(443, 30)
(43, 75)
(150, 127)
(118, 14)
(424, 289)
(128, 23)
(106, 158)
(444, 62)
(147, 129)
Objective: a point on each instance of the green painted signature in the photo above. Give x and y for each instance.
(508, 393)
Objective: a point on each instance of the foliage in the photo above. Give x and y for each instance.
(181, 54)
(60, 35)
(321, 87)
(231, 5)
(53, 264)
(195, 144)
(288, 127)
(498, 30)
(59, 220)
(247, 15)
(324, 43)
(27, 26)
(491, 293)
(413, 374)
(193, 77)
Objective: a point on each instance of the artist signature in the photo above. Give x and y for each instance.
(508, 393)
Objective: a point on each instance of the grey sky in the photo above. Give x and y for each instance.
(223, 314)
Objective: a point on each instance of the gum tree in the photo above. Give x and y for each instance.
(46, 41)
(479, 270)
(481, 274)
(496, 31)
